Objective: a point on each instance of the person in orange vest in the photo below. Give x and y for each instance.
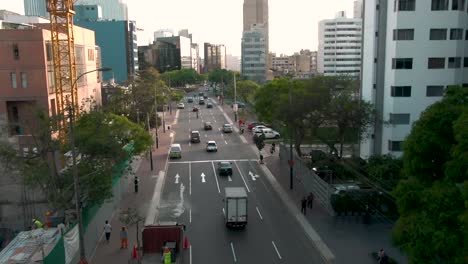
(167, 256)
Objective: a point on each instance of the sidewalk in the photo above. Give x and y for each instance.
(111, 253)
(346, 236)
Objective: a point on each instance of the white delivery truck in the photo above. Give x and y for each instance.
(235, 202)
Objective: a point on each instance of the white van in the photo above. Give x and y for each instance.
(175, 152)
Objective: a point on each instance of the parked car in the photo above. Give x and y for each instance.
(227, 128)
(180, 106)
(195, 109)
(270, 133)
(239, 105)
(225, 168)
(195, 136)
(207, 126)
(258, 129)
(253, 124)
(209, 105)
(211, 146)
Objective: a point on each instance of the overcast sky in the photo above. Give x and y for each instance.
(293, 23)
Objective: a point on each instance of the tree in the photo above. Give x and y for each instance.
(246, 89)
(432, 199)
(384, 170)
(179, 78)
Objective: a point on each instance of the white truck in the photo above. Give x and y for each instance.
(235, 202)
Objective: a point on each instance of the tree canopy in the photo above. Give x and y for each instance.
(180, 78)
(433, 198)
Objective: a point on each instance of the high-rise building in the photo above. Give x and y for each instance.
(117, 39)
(313, 62)
(357, 9)
(163, 33)
(233, 62)
(36, 8)
(254, 57)
(168, 53)
(196, 58)
(412, 51)
(255, 23)
(215, 56)
(111, 9)
(339, 50)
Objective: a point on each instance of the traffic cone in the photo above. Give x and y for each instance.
(186, 244)
(134, 253)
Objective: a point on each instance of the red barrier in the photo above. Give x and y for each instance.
(154, 237)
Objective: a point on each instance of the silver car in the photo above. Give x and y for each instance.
(227, 128)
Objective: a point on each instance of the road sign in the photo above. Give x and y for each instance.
(234, 107)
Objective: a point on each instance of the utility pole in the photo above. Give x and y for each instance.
(235, 99)
(150, 150)
(156, 118)
(291, 159)
(163, 118)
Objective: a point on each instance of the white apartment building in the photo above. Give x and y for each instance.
(339, 50)
(412, 50)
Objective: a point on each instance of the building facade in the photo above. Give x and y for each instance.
(163, 33)
(301, 65)
(215, 56)
(27, 85)
(412, 51)
(111, 9)
(36, 8)
(256, 32)
(254, 56)
(339, 50)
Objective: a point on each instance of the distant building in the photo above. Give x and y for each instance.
(233, 62)
(357, 10)
(26, 76)
(313, 62)
(36, 8)
(299, 65)
(196, 58)
(163, 33)
(111, 9)
(117, 39)
(12, 20)
(254, 54)
(412, 51)
(168, 53)
(215, 56)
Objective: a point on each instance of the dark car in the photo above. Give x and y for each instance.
(207, 126)
(189, 100)
(195, 109)
(200, 94)
(225, 168)
(205, 96)
(195, 136)
(209, 105)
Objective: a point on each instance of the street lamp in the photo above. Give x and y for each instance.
(235, 99)
(71, 114)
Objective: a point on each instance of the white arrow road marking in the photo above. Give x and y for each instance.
(277, 252)
(203, 177)
(229, 178)
(177, 178)
(252, 176)
(259, 214)
(233, 252)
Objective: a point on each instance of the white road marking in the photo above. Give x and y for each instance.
(229, 178)
(242, 176)
(277, 252)
(259, 214)
(233, 252)
(216, 177)
(205, 161)
(224, 212)
(203, 177)
(177, 178)
(190, 215)
(225, 142)
(190, 254)
(190, 178)
(253, 176)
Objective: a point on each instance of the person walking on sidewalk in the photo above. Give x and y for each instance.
(107, 230)
(310, 200)
(303, 205)
(136, 181)
(123, 238)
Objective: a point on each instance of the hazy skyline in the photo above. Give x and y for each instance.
(293, 23)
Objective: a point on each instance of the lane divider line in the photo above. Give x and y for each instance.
(277, 252)
(259, 214)
(216, 177)
(190, 178)
(242, 176)
(233, 252)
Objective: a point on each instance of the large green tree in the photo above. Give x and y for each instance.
(246, 89)
(432, 200)
(180, 78)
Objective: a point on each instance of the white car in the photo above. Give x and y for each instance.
(180, 106)
(270, 133)
(227, 128)
(258, 129)
(211, 146)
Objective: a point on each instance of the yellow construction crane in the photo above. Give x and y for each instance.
(63, 54)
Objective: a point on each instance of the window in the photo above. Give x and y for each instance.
(403, 34)
(24, 80)
(395, 145)
(402, 63)
(13, 80)
(15, 52)
(436, 63)
(439, 5)
(454, 62)
(438, 34)
(404, 5)
(400, 119)
(458, 5)
(456, 33)
(434, 90)
(401, 91)
(465, 62)
(49, 51)
(51, 79)
(90, 55)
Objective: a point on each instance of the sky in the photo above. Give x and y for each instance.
(293, 23)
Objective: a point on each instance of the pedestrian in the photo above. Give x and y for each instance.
(303, 205)
(37, 223)
(310, 200)
(167, 258)
(62, 228)
(383, 258)
(136, 181)
(107, 230)
(261, 158)
(123, 238)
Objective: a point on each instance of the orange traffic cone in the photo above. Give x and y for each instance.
(134, 253)
(186, 244)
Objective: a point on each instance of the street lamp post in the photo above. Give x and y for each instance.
(235, 99)
(291, 159)
(156, 118)
(71, 115)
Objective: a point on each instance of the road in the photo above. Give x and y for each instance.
(193, 193)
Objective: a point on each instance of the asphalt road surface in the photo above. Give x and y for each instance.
(193, 195)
